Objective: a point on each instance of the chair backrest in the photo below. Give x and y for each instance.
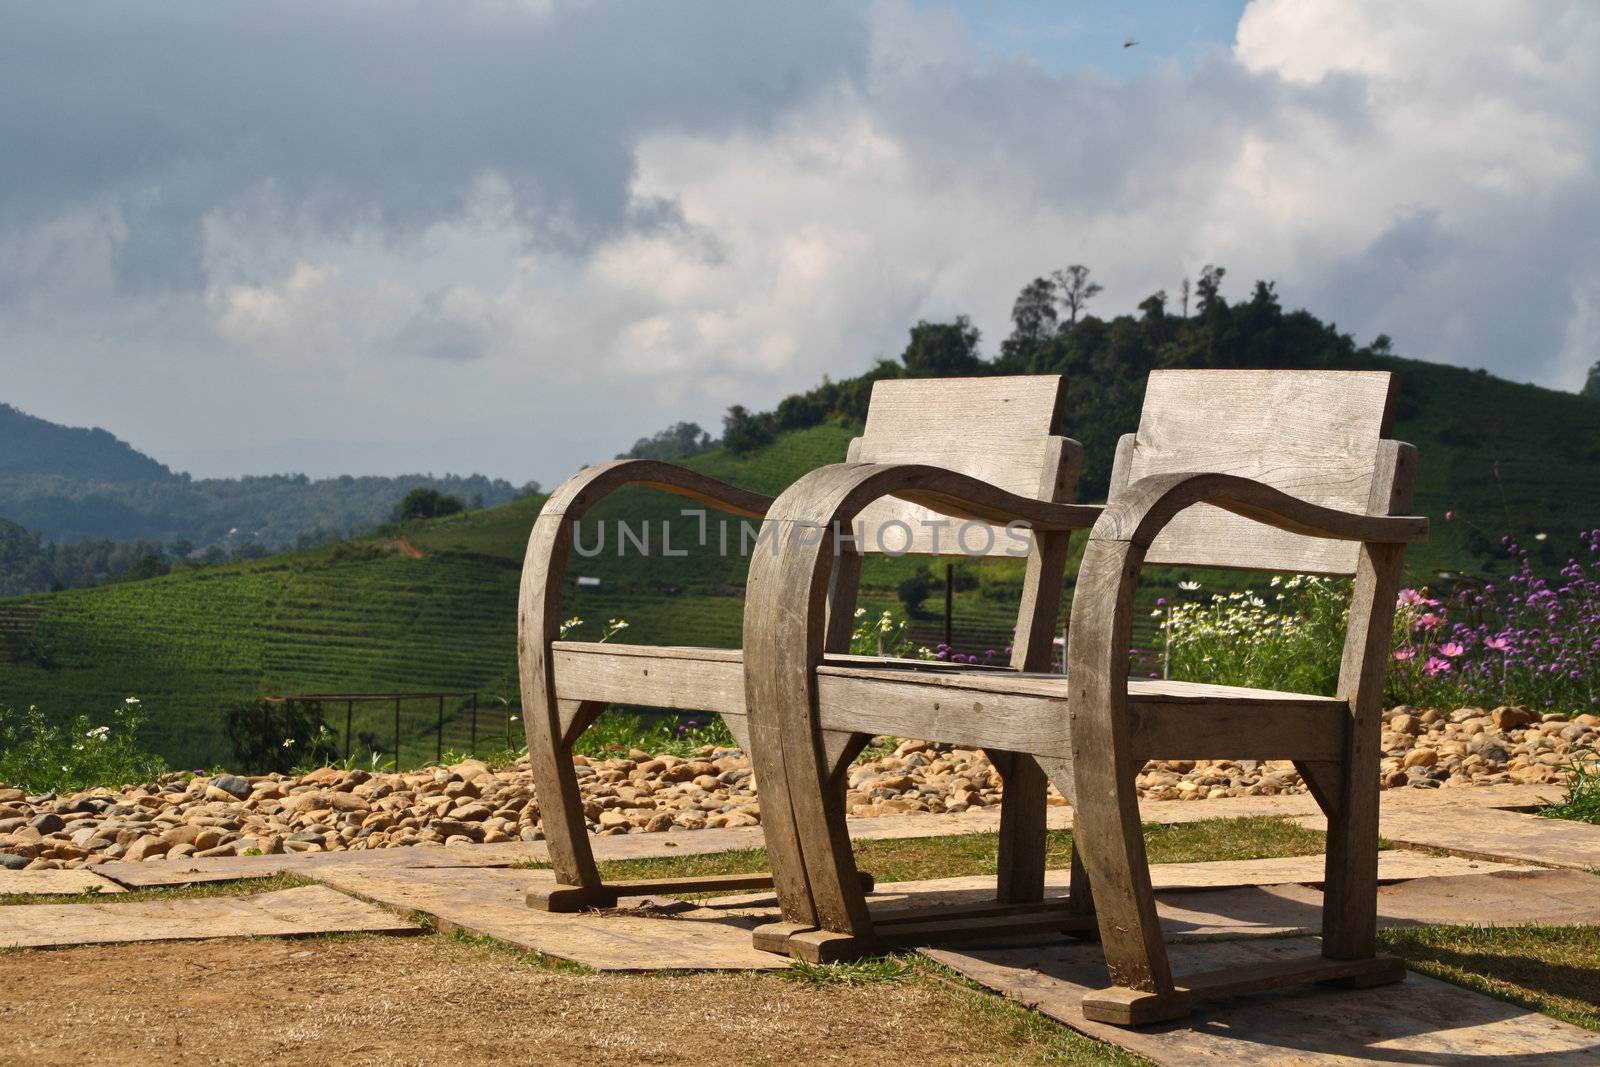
(1001, 430)
(1317, 435)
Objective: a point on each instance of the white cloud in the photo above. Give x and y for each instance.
(571, 228)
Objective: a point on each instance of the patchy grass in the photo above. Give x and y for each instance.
(857, 972)
(1550, 969)
(913, 859)
(241, 887)
(1006, 1025)
(535, 958)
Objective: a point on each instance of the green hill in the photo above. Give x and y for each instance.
(364, 615)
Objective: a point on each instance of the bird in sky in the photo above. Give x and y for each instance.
(1129, 43)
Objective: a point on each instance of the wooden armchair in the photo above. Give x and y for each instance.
(1259, 470)
(999, 429)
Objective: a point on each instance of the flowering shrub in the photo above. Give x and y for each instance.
(1290, 642)
(1522, 640)
(39, 757)
(1525, 639)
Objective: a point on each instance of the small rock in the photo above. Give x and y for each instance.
(48, 823)
(1511, 718)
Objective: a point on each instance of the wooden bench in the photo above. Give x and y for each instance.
(1001, 430)
(1256, 470)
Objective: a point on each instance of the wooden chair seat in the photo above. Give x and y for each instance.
(685, 678)
(1016, 712)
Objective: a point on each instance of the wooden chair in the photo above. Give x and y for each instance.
(1257, 470)
(997, 429)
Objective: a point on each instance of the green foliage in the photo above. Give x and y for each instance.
(1591, 385)
(743, 433)
(39, 756)
(940, 350)
(279, 735)
(28, 564)
(1290, 642)
(882, 635)
(678, 441)
(424, 502)
(1581, 801)
(617, 731)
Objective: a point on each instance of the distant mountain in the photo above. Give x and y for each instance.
(71, 485)
(30, 445)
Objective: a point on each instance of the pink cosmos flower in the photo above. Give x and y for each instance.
(1451, 649)
(1405, 654)
(1408, 598)
(1498, 644)
(1429, 621)
(1435, 666)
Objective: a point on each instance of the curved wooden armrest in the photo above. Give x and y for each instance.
(1146, 506)
(838, 492)
(589, 486)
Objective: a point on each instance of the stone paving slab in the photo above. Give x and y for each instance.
(1501, 898)
(188, 870)
(490, 901)
(1497, 835)
(309, 909)
(1418, 1021)
(63, 882)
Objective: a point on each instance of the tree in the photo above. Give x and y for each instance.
(1075, 290)
(425, 503)
(943, 349)
(675, 442)
(1183, 297)
(742, 432)
(1033, 319)
(1154, 306)
(1591, 387)
(1208, 287)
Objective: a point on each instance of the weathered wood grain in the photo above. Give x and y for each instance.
(998, 430)
(1311, 434)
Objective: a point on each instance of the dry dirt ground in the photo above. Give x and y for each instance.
(431, 999)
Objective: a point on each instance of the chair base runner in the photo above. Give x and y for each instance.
(915, 929)
(571, 898)
(1121, 1006)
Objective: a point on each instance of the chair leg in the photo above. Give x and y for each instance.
(1109, 836)
(1080, 891)
(578, 883)
(1350, 888)
(1023, 805)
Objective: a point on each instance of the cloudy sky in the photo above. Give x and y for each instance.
(510, 236)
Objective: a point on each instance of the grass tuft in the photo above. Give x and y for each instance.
(858, 972)
(1582, 800)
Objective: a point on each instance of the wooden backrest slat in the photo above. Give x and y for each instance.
(1317, 435)
(1001, 430)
